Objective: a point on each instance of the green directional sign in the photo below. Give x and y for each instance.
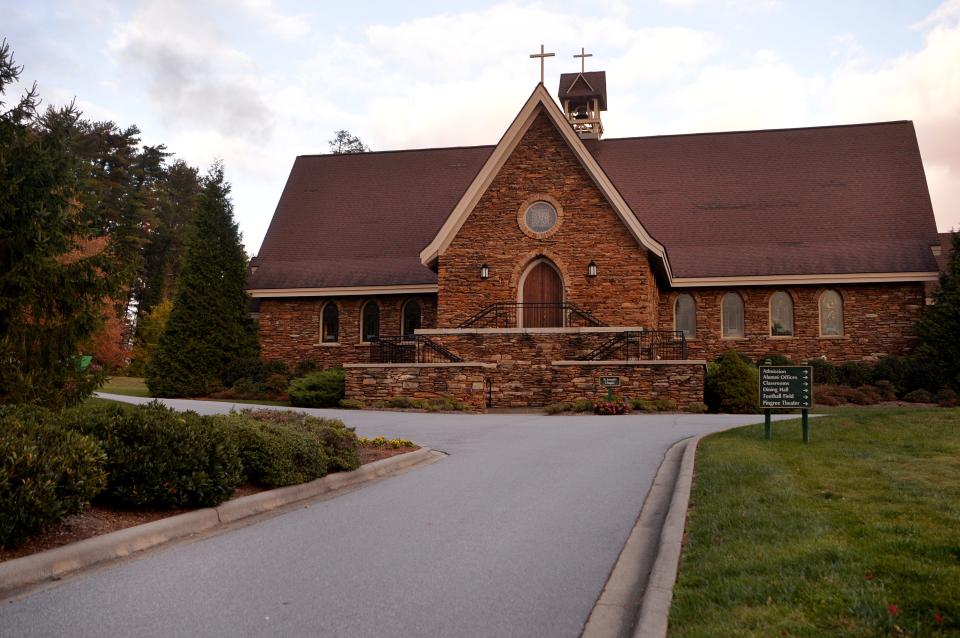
(786, 387)
(610, 382)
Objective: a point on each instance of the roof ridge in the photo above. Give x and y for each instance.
(761, 130)
(400, 150)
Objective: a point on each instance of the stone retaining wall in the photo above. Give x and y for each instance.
(464, 382)
(680, 381)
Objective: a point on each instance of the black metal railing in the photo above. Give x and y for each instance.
(648, 345)
(412, 349)
(516, 314)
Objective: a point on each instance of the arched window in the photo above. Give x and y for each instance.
(411, 317)
(370, 321)
(781, 315)
(831, 314)
(330, 323)
(731, 312)
(685, 316)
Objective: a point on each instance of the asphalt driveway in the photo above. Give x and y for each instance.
(513, 534)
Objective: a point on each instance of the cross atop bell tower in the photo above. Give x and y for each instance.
(583, 95)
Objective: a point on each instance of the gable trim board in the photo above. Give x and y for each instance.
(539, 100)
(770, 280)
(344, 291)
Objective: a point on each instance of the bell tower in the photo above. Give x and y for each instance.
(583, 96)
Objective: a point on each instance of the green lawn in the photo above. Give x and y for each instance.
(135, 387)
(130, 386)
(855, 534)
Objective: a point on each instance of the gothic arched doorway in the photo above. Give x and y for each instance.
(541, 291)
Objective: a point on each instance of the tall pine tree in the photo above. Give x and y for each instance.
(939, 328)
(56, 262)
(210, 336)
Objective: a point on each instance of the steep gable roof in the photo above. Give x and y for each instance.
(807, 205)
(361, 219)
(539, 102)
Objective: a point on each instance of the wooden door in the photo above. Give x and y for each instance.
(542, 297)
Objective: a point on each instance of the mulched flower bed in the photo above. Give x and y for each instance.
(102, 519)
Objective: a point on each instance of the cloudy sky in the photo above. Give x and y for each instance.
(258, 82)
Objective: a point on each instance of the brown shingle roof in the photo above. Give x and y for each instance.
(826, 200)
(361, 219)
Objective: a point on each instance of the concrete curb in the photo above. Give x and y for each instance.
(618, 605)
(56, 563)
(655, 610)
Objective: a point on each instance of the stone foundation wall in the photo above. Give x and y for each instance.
(375, 382)
(878, 320)
(682, 382)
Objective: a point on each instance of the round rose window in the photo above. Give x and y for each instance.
(540, 217)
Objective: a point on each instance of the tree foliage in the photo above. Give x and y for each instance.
(210, 339)
(939, 328)
(345, 142)
(57, 264)
(150, 326)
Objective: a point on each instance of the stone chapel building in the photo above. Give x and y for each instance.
(518, 274)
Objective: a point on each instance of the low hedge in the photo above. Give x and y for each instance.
(322, 389)
(272, 454)
(46, 473)
(159, 457)
(338, 441)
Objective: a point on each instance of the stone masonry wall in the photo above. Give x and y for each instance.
(878, 320)
(681, 382)
(623, 293)
(290, 328)
(375, 383)
(524, 373)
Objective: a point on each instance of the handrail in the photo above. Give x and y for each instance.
(648, 345)
(510, 314)
(409, 349)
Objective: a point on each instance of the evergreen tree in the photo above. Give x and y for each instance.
(210, 339)
(939, 328)
(56, 264)
(345, 142)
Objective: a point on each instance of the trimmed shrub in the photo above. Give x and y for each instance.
(886, 390)
(824, 372)
(304, 367)
(731, 386)
(854, 374)
(743, 357)
(664, 404)
(158, 457)
(775, 359)
(643, 405)
(339, 441)
(696, 408)
(274, 455)
(557, 408)
(322, 389)
(351, 404)
(918, 396)
(947, 398)
(582, 405)
(46, 473)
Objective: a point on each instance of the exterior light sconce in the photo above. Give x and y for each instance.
(592, 269)
(484, 272)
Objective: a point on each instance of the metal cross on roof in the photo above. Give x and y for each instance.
(583, 56)
(541, 55)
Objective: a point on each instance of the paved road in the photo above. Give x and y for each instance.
(513, 534)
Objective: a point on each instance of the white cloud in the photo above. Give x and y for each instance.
(458, 78)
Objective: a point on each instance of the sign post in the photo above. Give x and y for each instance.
(609, 383)
(784, 388)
